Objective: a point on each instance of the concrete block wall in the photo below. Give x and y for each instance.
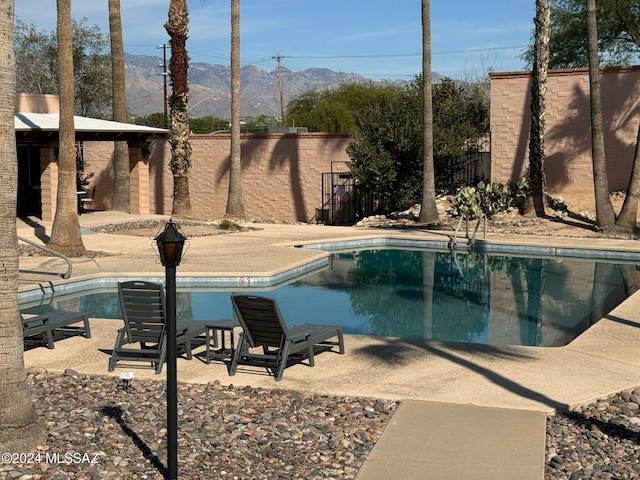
(98, 160)
(281, 176)
(568, 163)
(49, 180)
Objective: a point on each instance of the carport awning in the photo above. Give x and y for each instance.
(36, 127)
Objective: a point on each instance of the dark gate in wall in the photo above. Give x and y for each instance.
(472, 167)
(344, 202)
(338, 199)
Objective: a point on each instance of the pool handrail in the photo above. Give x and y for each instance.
(471, 240)
(64, 275)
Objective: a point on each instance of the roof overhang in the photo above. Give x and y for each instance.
(43, 127)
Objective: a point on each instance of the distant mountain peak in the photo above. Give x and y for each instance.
(210, 86)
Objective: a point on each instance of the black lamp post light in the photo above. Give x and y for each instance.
(170, 244)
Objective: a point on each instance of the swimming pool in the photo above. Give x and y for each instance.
(461, 296)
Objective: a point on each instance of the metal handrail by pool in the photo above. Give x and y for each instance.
(64, 275)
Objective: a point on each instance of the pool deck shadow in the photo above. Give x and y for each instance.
(466, 411)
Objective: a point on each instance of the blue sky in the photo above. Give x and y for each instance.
(379, 39)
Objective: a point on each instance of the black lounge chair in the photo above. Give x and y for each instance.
(143, 310)
(47, 324)
(263, 326)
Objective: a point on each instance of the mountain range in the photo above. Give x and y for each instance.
(210, 87)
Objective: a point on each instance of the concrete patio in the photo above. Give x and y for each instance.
(499, 396)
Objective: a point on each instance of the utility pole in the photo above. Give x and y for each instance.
(278, 58)
(164, 74)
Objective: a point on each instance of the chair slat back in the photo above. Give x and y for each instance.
(260, 319)
(143, 308)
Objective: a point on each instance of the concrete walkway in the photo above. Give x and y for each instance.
(444, 441)
(467, 410)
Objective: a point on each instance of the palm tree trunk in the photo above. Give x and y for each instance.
(65, 231)
(627, 219)
(538, 94)
(428, 210)
(235, 207)
(177, 27)
(19, 427)
(605, 216)
(121, 200)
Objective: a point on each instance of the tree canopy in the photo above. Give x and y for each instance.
(386, 153)
(336, 110)
(37, 65)
(618, 26)
(207, 124)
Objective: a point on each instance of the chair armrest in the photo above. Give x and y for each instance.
(121, 337)
(182, 327)
(300, 337)
(34, 322)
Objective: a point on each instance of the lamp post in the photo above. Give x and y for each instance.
(170, 246)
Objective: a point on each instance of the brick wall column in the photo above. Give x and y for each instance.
(139, 177)
(48, 180)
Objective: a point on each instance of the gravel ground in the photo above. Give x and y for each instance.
(224, 431)
(597, 441)
(253, 433)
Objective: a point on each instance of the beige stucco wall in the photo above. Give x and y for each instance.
(568, 129)
(281, 177)
(37, 103)
(282, 172)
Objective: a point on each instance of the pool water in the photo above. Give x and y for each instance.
(424, 294)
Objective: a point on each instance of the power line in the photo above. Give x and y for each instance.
(392, 55)
(387, 55)
(263, 60)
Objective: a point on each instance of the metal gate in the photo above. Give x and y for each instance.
(472, 167)
(338, 199)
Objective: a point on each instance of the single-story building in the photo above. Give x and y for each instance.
(284, 175)
(36, 123)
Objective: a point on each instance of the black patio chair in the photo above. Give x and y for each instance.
(143, 310)
(264, 327)
(46, 325)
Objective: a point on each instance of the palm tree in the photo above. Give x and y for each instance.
(428, 210)
(177, 27)
(542, 22)
(65, 231)
(19, 427)
(121, 200)
(234, 200)
(628, 217)
(605, 215)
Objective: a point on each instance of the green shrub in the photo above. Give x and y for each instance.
(490, 198)
(228, 225)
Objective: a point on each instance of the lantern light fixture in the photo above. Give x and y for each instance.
(170, 244)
